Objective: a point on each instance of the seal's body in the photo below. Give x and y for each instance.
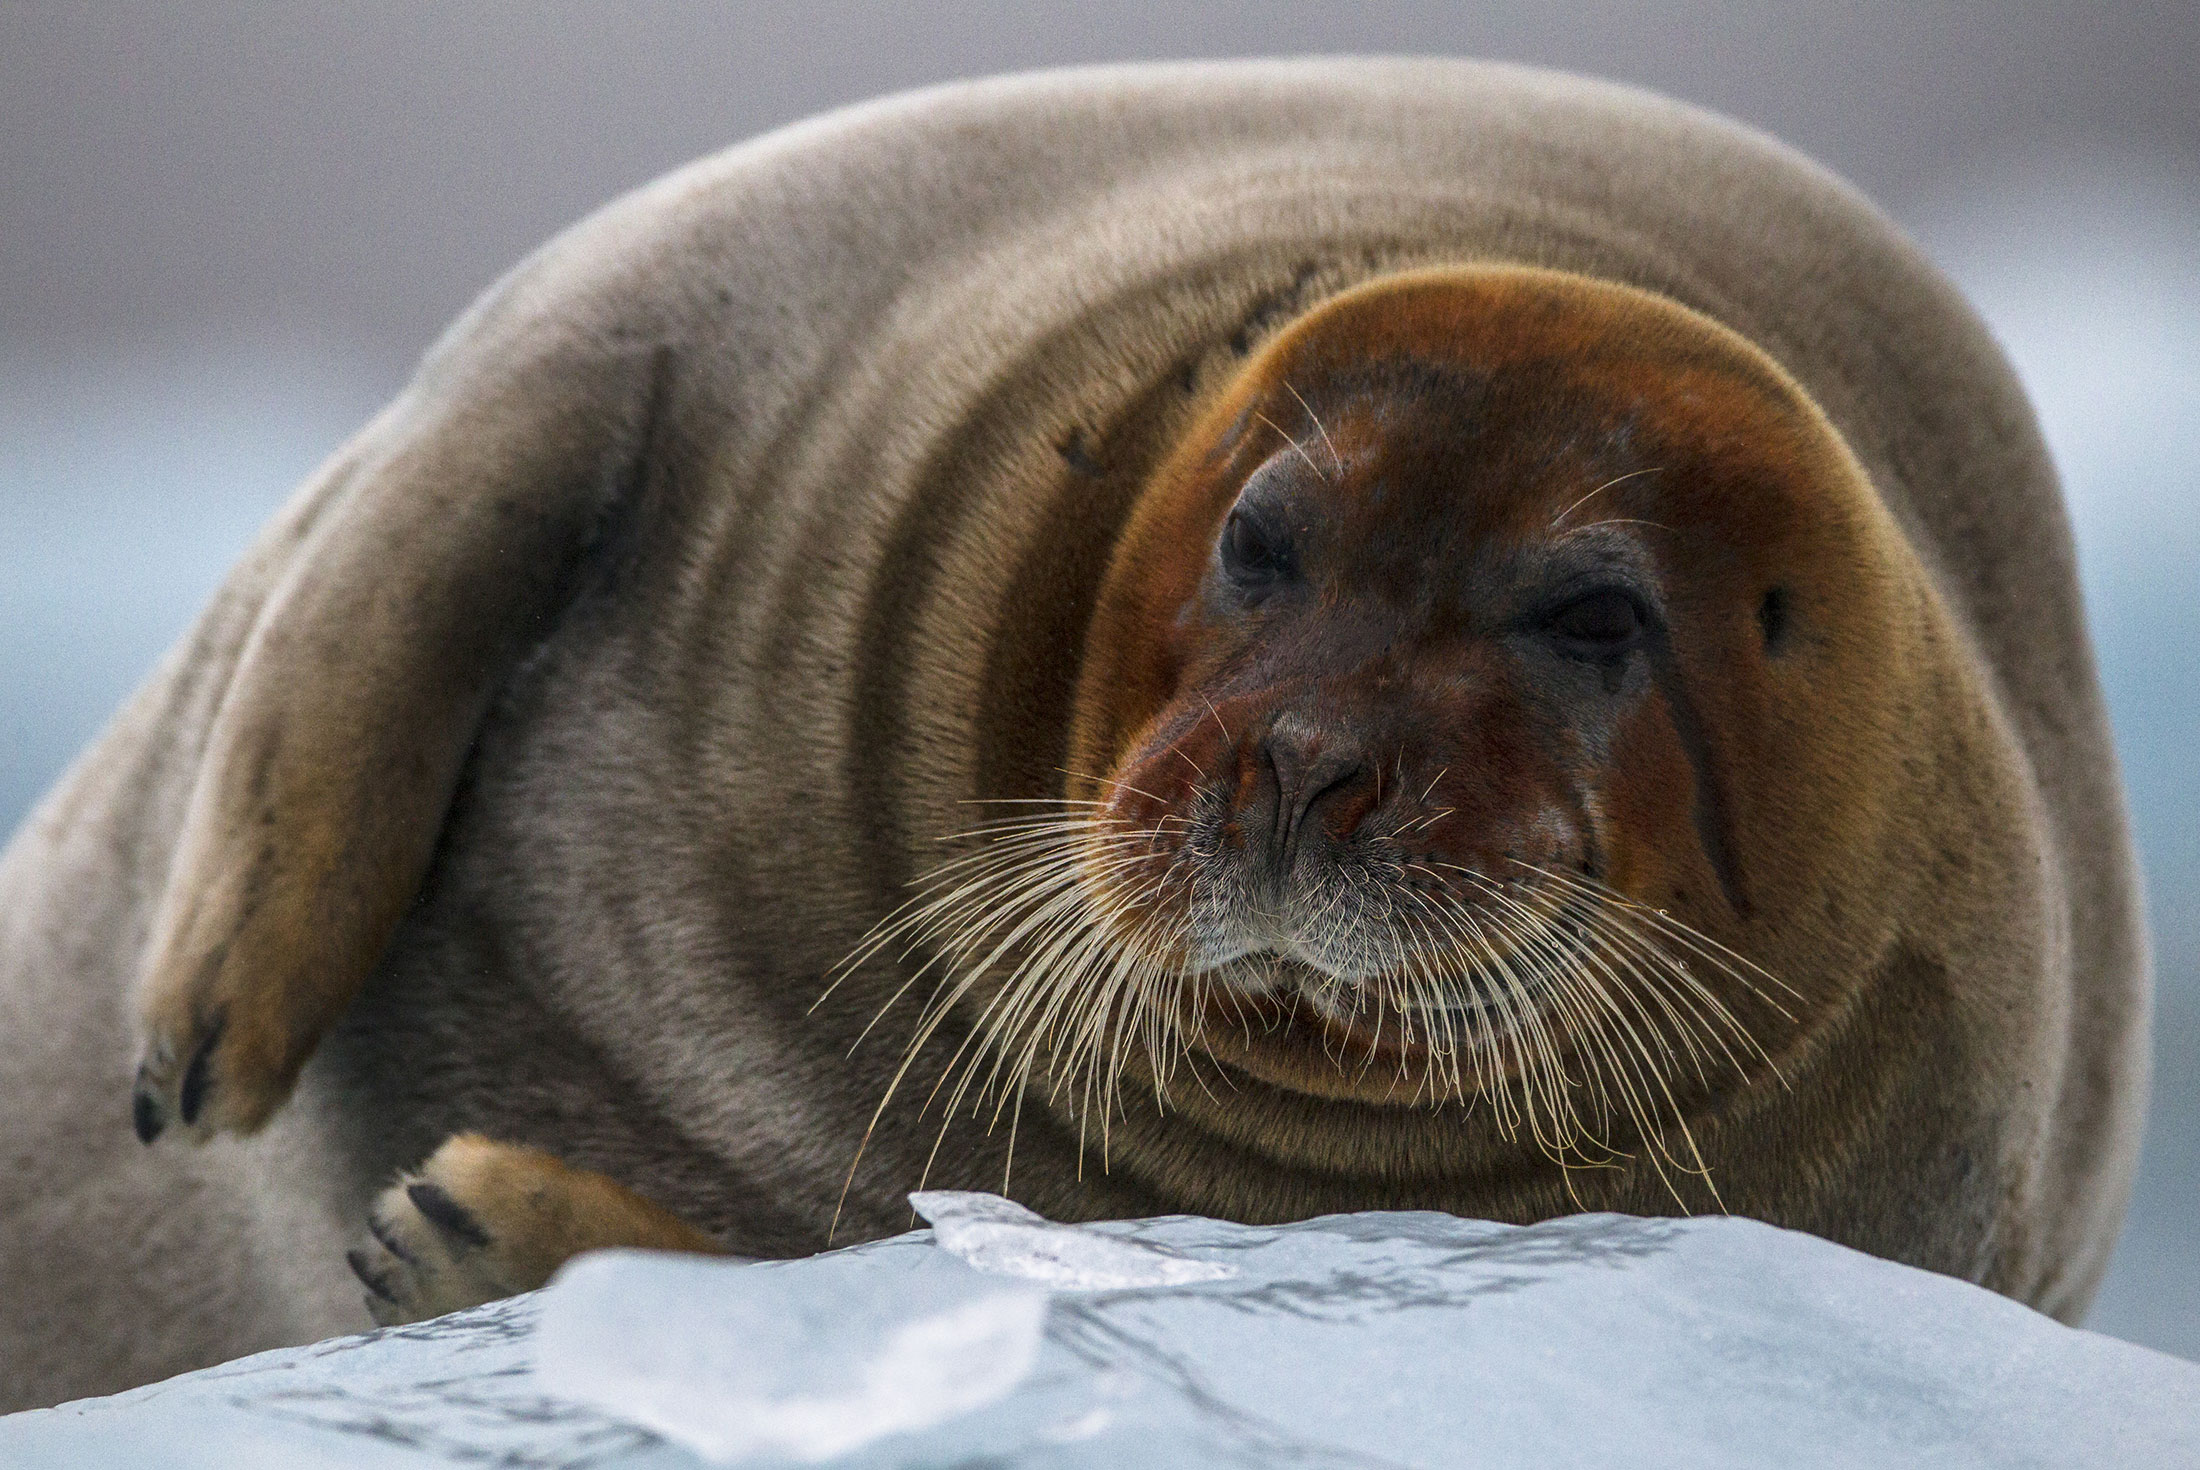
(539, 766)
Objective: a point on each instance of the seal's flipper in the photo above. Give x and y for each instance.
(455, 529)
(482, 1220)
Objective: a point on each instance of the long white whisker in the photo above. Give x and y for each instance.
(1593, 494)
(1334, 457)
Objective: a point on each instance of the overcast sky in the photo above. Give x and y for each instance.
(358, 171)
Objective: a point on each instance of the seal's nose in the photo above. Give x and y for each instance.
(1309, 770)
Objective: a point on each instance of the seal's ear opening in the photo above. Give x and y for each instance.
(429, 556)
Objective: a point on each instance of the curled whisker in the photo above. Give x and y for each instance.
(1334, 457)
(1593, 494)
(1300, 448)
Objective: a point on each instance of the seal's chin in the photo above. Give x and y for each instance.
(1372, 1040)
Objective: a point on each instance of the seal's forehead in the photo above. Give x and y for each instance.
(1499, 318)
(1495, 393)
(1512, 333)
(1420, 456)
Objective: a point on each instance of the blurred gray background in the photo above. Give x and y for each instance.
(227, 229)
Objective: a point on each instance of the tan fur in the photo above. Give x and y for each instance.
(535, 770)
(520, 1214)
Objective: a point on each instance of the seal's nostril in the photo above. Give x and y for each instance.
(1306, 770)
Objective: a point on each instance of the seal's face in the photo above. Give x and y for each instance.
(1492, 656)
(1377, 796)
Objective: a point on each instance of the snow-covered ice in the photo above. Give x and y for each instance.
(1353, 1340)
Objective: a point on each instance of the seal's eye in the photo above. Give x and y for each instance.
(1251, 552)
(1600, 624)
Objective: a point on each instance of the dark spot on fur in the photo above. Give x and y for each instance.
(1772, 620)
(1077, 456)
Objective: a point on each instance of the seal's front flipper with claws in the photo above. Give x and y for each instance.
(457, 526)
(482, 1220)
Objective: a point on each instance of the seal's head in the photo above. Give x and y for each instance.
(1483, 697)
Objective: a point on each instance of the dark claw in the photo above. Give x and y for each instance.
(196, 1076)
(146, 1113)
(446, 1214)
(389, 1240)
(373, 1280)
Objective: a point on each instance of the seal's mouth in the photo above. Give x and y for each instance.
(1399, 1038)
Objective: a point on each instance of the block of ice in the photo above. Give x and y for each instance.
(997, 1235)
(1353, 1340)
(750, 1360)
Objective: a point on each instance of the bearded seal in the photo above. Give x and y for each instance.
(1491, 643)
